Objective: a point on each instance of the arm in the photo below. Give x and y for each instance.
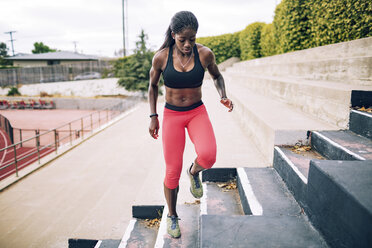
(219, 82)
(155, 73)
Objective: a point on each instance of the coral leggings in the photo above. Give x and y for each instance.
(201, 134)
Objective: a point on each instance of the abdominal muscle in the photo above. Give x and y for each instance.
(182, 97)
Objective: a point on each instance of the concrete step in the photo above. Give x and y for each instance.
(325, 100)
(361, 123)
(350, 70)
(87, 243)
(222, 198)
(273, 218)
(258, 231)
(293, 167)
(349, 49)
(270, 122)
(340, 203)
(342, 145)
(347, 62)
(221, 195)
(189, 226)
(142, 230)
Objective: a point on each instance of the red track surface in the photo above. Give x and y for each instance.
(36, 119)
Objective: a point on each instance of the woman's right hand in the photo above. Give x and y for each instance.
(154, 127)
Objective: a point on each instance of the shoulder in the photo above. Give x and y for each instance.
(206, 55)
(160, 58)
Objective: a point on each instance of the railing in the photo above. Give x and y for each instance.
(31, 145)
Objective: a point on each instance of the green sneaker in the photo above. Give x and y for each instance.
(196, 187)
(173, 228)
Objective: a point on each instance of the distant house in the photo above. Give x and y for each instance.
(53, 58)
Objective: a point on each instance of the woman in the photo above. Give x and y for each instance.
(182, 63)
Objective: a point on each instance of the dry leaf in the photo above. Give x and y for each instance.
(227, 186)
(196, 202)
(153, 222)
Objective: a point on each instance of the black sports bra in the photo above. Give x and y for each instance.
(188, 79)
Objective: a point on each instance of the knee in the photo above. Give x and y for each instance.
(206, 159)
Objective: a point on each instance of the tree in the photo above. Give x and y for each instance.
(134, 70)
(41, 48)
(3, 55)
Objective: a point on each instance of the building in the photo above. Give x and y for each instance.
(52, 58)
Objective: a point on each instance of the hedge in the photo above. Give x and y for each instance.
(337, 21)
(297, 25)
(223, 46)
(292, 26)
(268, 42)
(249, 40)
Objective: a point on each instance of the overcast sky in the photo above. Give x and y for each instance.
(96, 25)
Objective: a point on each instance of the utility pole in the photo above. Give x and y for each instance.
(11, 39)
(124, 49)
(75, 42)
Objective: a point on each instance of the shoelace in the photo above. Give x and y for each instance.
(174, 221)
(196, 179)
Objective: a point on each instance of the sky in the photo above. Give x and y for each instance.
(95, 27)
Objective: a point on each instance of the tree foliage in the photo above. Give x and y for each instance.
(39, 47)
(223, 46)
(134, 70)
(3, 55)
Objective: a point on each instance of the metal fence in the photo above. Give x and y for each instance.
(31, 145)
(52, 73)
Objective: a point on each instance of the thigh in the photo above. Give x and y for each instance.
(173, 138)
(201, 132)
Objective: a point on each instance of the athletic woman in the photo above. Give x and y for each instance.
(182, 63)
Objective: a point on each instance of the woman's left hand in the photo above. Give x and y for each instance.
(227, 103)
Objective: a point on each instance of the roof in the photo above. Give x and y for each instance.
(63, 55)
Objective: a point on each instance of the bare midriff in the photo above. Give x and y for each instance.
(182, 97)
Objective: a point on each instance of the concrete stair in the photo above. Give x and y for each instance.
(332, 182)
(278, 98)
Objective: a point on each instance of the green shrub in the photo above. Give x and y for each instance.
(249, 40)
(133, 70)
(338, 21)
(223, 46)
(268, 42)
(292, 26)
(13, 91)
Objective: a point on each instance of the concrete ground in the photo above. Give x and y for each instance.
(89, 191)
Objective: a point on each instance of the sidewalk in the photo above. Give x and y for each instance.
(89, 192)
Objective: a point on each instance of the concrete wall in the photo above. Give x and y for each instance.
(84, 88)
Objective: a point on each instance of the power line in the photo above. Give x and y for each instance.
(11, 39)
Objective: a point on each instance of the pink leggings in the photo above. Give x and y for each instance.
(201, 134)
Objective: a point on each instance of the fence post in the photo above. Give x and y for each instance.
(56, 140)
(82, 128)
(15, 160)
(99, 118)
(38, 145)
(20, 137)
(70, 133)
(91, 123)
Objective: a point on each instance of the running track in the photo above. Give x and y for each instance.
(32, 119)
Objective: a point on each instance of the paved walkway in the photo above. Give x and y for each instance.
(88, 192)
